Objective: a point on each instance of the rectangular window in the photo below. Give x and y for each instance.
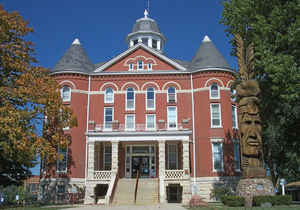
(172, 156)
(172, 117)
(108, 117)
(237, 160)
(150, 122)
(215, 111)
(145, 41)
(107, 157)
(150, 103)
(154, 43)
(130, 99)
(140, 65)
(217, 151)
(130, 122)
(234, 117)
(61, 163)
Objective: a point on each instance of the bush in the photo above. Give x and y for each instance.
(219, 192)
(274, 200)
(9, 195)
(233, 200)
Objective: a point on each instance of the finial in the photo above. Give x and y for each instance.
(206, 39)
(146, 13)
(76, 41)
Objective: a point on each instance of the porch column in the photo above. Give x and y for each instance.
(162, 168)
(115, 156)
(186, 157)
(91, 160)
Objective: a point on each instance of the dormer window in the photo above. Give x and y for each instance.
(154, 44)
(149, 66)
(145, 41)
(130, 67)
(140, 65)
(135, 41)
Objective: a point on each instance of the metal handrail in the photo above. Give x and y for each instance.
(136, 185)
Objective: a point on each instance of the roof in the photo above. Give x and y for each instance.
(74, 60)
(208, 56)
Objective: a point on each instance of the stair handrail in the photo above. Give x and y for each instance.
(136, 184)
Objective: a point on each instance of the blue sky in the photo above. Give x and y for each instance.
(102, 26)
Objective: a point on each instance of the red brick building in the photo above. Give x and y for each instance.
(169, 120)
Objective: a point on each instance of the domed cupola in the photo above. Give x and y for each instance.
(145, 30)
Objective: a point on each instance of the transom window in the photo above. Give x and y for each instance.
(150, 103)
(237, 159)
(214, 91)
(130, 103)
(172, 156)
(66, 93)
(234, 117)
(130, 122)
(171, 94)
(150, 122)
(109, 95)
(217, 150)
(61, 163)
(215, 112)
(140, 65)
(172, 117)
(108, 117)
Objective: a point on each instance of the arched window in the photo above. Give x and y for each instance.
(66, 93)
(233, 94)
(214, 91)
(130, 105)
(109, 95)
(171, 94)
(150, 101)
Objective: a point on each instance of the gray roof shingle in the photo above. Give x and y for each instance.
(145, 24)
(75, 60)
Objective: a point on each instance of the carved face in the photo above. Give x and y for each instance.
(250, 129)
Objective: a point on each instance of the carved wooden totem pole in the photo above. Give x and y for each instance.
(249, 118)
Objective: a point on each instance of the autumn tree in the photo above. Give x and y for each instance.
(28, 95)
(273, 27)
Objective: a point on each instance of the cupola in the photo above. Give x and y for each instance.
(146, 31)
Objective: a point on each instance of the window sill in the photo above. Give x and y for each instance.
(66, 102)
(216, 127)
(108, 103)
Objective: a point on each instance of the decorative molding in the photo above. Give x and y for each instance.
(62, 83)
(128, 83)
(171, 82)
(206, 83)
(108, 83)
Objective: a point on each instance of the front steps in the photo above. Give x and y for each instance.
(147, 192)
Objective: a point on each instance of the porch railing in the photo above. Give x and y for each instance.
(174, 174)
(102, 175)
(117, 127)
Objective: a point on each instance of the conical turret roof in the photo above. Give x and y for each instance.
(208, 56)
(74, 60)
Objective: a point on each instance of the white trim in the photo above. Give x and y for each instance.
(143, 138)
(206, 83)
(129, 83)
(113, 96)
(139, 45)
(147, 83)
(129, 115)
(154, 99)
(222, 156)
(67, 81)
(104, 121)
(108, 83)
(170, 128)
(216, 140)
(211, 117)
(126, 102)
(154, 128)
(171, 82)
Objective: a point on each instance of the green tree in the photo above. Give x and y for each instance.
(273, 27)
(27, 94)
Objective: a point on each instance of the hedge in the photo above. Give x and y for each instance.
(274, 200)
(232, 200)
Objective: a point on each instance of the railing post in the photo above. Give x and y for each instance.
(162, 168)
(186, 157)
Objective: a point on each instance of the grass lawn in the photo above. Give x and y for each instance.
(219, 207)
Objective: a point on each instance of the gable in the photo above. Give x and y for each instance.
(158, 62)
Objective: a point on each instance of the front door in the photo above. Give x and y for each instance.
(141, 164)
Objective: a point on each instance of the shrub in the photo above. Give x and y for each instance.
(219, 192)
(233, 200)
(274, 200)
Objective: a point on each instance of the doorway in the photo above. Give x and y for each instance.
(141, 164)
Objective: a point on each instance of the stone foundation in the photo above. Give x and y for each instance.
(248, 188)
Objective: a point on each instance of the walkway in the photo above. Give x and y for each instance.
(132, 207)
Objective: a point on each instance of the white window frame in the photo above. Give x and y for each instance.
(211, 116)
(176, 153)
(234, 117)
(104, 156)
(104, 124)
(220, 142)
(126, 108)
(126, 121)
(105, 96)
(237, 155)
(154, 127)
(211, 93)
(172, 128)
(65, 153)
(168, 95)
(138, 65)
(154, 101)
(68, 99)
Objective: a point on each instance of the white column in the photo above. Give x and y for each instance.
(91, 160)
(186, 156)
(115, 156)
(131, 43)
(162, 168)
(158, 44)
(150, 42)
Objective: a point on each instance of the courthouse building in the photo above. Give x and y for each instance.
(170, 122)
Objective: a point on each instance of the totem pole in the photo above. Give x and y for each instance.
(249, 118)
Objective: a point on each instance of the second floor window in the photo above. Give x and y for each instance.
(172, 117)
(150, 121)
(61, 163)
(215, 112)
(130, 122)
(130, 103)
(109, 95)
(150, 103)
(66, 93)
(214, 91)
(171, 94)
(108, 117)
